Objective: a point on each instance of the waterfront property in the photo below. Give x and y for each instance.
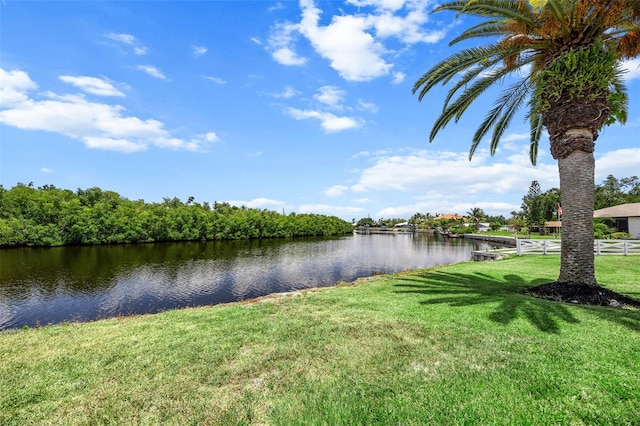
(523, 246)
(454, 345)
(624, 217)
(600, 247)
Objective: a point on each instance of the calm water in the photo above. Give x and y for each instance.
(52, 285)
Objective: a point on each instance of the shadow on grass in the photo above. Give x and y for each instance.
(459, 290)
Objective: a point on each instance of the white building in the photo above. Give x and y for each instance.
(625, 216)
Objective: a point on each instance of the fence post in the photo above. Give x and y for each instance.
(544, 246)
(625, 247)
(518, 250)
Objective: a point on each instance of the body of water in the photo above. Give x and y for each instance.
(54, 285)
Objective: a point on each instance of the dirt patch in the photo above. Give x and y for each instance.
(581, 294)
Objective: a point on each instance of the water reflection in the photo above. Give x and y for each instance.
(41, 286)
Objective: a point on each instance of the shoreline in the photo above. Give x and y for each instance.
(509, 241)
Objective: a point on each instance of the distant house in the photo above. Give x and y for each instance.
(625, 217)
(553, 226)
(484, 226)
(448, 216)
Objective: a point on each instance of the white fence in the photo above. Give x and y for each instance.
(600, 247)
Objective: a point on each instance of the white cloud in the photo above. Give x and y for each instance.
(259, 203)
(438, 180)
(216, 80)
(367, 106)
(288, 92)
(391, 5)
(97, 125)
(286, 56)
(330, 96)
(619, 163)
(329, 122)
(408, 27)
(398, 77)
(46, 170)
(632, 68)
(279, 44)
(354, 43)
(152, 71)
(275, 7)
(92, 85)
(256, 40)
(509, 142)
(113, 144)
(335, 191)
(123, 38)
(377, 153)
(425, 169)
(198, 51)
(513, 137)
(447, 182)
(363, 200)
(14, 86)
(211, 137)
(130, 40)
(351, 50)
(340, 211)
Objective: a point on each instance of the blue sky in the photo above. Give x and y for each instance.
(295, 106)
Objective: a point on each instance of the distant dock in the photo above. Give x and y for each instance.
(506, 241)
(478, 255)
(365, 230)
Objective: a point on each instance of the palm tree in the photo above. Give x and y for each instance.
(476, 214)
(565, 55)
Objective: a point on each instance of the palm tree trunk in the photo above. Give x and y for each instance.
(577, 188)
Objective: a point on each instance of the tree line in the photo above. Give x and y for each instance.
(537, 208)
(49, 216)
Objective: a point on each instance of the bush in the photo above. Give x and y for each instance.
(621, 236)
(458, 230)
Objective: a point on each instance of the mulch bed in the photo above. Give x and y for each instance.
(581, 294)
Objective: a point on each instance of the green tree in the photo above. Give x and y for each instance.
(420, 221)
(496, 222)
(476, 215)
(612, 192)
(565, 56)
(550, 203)
(533, 207)
(365, 221)
(49, 216)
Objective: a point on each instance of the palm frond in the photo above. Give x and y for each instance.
(536, 132)
(516, 95)
(484, 29)
(500, 116)
(528, 36)
(467, 77)
(499, 8)
(460, 105)
(450, 67)
(555, 7)
(619, 97)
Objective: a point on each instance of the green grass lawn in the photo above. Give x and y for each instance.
(458, 344)
(524, 235)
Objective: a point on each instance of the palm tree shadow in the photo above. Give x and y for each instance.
(460, 290)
